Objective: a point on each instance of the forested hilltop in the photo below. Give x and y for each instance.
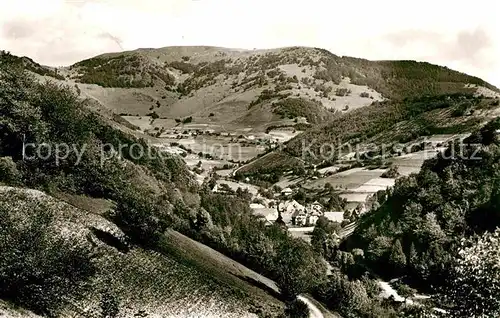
(427, 228)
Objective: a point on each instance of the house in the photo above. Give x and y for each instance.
(215, 189)
(315, 207)
(299, 218)
(269, 214)
(286, 191)
(313, 214)
(291, 206)
(335, 216)
(255, 206)
(287, 209)
(312, 219)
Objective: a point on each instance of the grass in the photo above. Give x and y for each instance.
(391, 121)
(315, 112)
(31, 65)
(182, 277)
(272, 162)
(121, 71)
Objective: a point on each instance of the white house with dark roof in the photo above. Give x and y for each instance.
(291, 206)
(315, 207)
(288, 208)
(335, 216)
(269, 214)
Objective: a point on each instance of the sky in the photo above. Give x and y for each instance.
(463, 35)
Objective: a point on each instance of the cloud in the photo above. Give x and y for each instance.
(59, 39)
(115, 39)
(17, 30)
(402, 38)
(469, 44)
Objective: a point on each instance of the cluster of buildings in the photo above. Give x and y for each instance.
(295, 214)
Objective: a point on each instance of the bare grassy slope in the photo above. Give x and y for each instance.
(237, 88)
(214, 85)
(192, 281)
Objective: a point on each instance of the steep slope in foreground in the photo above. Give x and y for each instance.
(50, 254)
(136, 279)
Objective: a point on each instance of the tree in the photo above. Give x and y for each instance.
(300, 195)
(154, 115)
(323, 237)
(38, 267)
(244, 194)
(110, 305)
(405, 291)
(348, 297)
(392, 173)
(328, 186)
(347, 215)
(297, 268)
(297, 309)
(9, 172)
(475, 281)
(397, 257)
(413, 256)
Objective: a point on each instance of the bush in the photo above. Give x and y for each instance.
(392, 173)
(153, 115)
(315, 112)
(119, 71)
(475, 279)
(141, 215)
(342, 92)
(184, 67)
(110, 305)
(364, 95)
(8, 171)
(37, 268)
(297, 309)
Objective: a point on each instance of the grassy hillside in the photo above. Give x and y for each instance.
(382, 127)
(30, 65)
(189, 282)
(406, 79)
(149, 193)
(121, 71)
(235, 89)
(397, 122)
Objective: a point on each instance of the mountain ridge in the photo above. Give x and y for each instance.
(220, 87)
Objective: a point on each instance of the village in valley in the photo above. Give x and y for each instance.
(339, 193)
